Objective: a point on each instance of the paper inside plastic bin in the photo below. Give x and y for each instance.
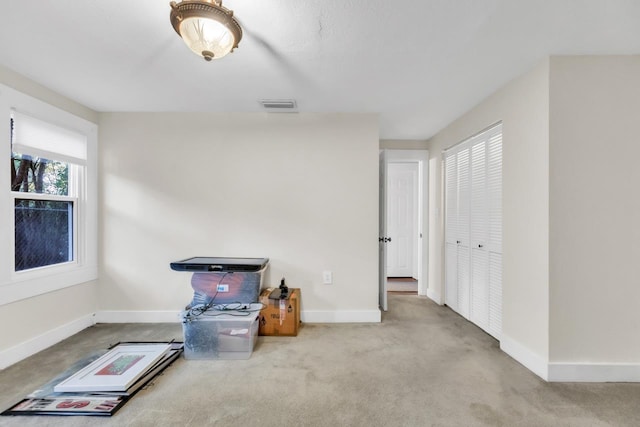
(228, 287)
(219, 334)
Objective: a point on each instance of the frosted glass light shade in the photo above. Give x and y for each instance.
(207, 28)
(206, 37)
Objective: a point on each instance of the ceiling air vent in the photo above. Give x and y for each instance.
(279, 105)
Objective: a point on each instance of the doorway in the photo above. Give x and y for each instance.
(403, 222)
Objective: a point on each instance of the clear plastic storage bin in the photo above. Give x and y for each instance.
(221, 335)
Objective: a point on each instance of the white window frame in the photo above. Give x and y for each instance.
(15, 286)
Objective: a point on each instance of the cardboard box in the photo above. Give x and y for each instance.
(280, 317)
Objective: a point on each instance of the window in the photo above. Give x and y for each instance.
(51, 194)
(44, 202)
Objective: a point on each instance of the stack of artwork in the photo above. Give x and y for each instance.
(102, 385)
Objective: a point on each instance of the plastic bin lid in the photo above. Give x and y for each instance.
(219, 264)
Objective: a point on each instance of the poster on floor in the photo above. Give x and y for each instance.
(47, 401)
(115, 371)
(79, 405)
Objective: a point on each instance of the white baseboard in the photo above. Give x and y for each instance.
(553, 372)
(532, 361)
(32, 346)
(567, 371)
(171, 316)
(359, 316)
(435, 296)
(594, 372)
(364, 316)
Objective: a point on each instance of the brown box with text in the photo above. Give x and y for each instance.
(280, 317)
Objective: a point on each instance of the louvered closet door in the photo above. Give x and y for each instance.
(457, 256)
(451, 221)
(479, 232)
(473, 230)
(494, 242)
(464, 289)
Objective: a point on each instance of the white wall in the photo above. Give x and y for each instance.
(20, 83)
(300, 189)
(595, 209)
(39, 322)
(404, 144)
(571, 239)
(523, 107)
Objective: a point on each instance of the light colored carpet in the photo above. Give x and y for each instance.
(422, 366)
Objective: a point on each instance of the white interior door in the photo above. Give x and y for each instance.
(494, 239)
(451, 231)
(479, 229)
(421, 254)
(464, 256)
(402, 219)
(382, 232)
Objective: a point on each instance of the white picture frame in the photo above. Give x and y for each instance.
(117, 370)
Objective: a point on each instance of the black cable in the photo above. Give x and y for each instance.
(233, 309)
(198, 309)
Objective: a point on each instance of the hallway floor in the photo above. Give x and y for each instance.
(402, 284)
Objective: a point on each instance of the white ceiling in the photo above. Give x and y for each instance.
(419, 64)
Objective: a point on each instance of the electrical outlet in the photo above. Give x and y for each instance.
(327, 277)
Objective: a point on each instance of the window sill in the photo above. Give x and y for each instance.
(32, 285)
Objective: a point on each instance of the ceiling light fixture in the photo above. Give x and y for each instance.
(207, 27)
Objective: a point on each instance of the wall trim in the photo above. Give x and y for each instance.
(142, 316)
(341, 316)
(434, 296)
(567, 371)
(36, 344)
(594, 372)
(523, 355)
(314, 316)
(552, 372)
